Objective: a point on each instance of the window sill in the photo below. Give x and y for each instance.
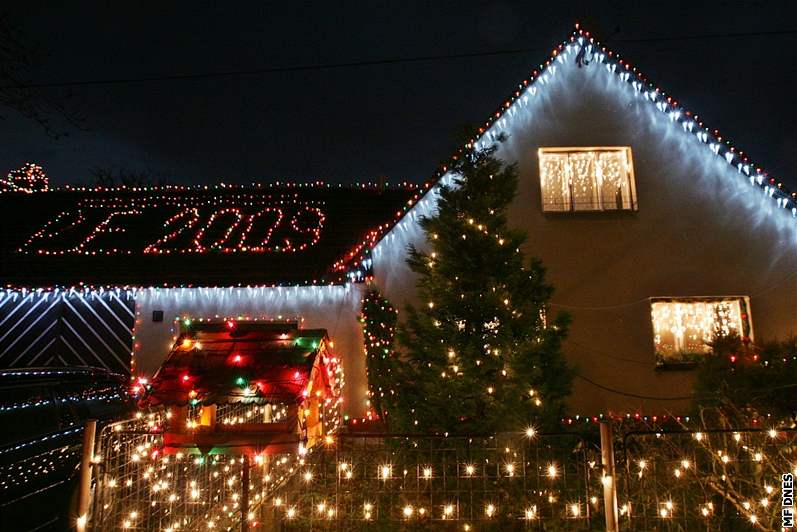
(595, 214)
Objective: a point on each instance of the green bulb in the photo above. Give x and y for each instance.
(240, 381)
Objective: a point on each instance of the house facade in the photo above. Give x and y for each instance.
(655, 231)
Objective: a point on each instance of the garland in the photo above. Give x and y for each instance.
(378, 319)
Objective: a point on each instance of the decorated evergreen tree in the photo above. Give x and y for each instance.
(477, 355)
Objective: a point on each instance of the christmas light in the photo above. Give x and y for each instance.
(28, 179)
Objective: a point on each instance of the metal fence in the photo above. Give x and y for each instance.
(666, 480)
(727, 479)
(384, 482)
(137, 487)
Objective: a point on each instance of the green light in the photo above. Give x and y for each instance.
(240, 381)
(187, 322)
(194, 402)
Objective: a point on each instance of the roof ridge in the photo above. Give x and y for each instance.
(257, 185)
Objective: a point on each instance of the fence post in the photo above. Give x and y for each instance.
(84, 495)
(245, 495)
(609, 478)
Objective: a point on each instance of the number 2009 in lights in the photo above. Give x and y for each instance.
(100, 230)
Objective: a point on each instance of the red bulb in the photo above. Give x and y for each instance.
(230, 324)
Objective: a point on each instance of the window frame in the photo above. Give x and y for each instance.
(598, 208)
(687, 359)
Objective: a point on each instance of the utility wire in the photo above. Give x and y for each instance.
(374, 62)
(269, 70)
(628, 394)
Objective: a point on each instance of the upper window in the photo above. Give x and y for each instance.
(684, 327)
(587, 179)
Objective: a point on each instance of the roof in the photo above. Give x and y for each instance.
(582, 47)
(239, 361)
(262, 235)
(351, 220)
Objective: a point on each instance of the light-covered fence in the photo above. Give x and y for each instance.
(137, 487)
(665, 479)
(382, 482)
(728, 479)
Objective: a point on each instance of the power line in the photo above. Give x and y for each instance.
(269, 70)
(364, 63)
(628, 394)
(707, 36)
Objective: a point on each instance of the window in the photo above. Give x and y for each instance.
(683, 327)
(587, 179)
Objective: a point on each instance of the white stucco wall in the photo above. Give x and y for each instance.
(334, 308)
(701, 230)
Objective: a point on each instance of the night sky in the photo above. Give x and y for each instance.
(358, 123)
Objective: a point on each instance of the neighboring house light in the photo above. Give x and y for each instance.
(587, 179)
(683, 327)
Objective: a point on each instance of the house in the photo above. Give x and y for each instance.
(656, 232)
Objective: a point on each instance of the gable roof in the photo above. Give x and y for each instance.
(249, 362)
(265, 235)
(583, 42)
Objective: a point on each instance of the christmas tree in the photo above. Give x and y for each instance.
(480, 355)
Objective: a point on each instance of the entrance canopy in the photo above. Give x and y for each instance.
(231, 361)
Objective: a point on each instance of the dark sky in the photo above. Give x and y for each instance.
(357, 123)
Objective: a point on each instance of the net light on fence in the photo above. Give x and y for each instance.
(469, 470)
(552, 471)
(308, 476)
(407, 511)
(448, 510)
(291, 513)
(531, 513)
(575, 510)
(427, 473)
(385, 471)
(489, 510)
(531, 432)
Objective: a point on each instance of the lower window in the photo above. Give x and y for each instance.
(684, 327)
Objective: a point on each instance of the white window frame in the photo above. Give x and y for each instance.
(678, 357)
(567, 203)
